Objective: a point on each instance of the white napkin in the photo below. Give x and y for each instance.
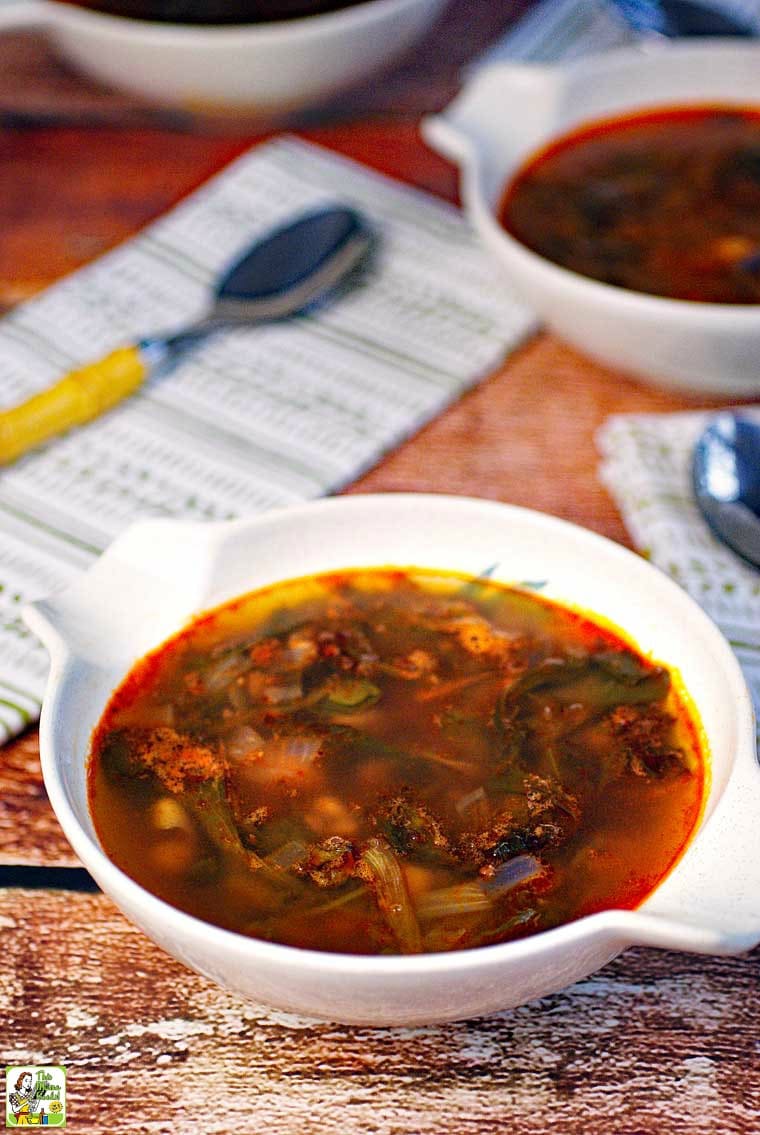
(647, 469)
(253, 418)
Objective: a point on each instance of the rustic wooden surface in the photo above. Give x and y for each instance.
(656, 1042)
(660, 1043)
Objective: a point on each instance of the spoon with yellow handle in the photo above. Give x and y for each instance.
(281, 275)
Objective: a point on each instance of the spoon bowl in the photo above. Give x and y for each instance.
(726, 477)
(296, 267)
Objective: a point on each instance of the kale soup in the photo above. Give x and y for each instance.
(665, 202)
(396, 761)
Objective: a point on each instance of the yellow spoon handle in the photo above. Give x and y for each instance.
(77, 398)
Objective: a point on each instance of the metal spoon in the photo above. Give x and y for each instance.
(289, 270)
(726, 475)
(673, 18)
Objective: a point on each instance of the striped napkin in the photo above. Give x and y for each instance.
(254, 418)
(646, 465)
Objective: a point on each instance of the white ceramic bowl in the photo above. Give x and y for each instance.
(160, 572)
(261, 68)
(509, 111)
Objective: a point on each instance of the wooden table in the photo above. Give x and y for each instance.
(656, 1042)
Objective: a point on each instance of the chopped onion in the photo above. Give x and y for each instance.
(224, 671)
(301, 747)
(521, 869)
(243, 742)
(379, 866)
(437, 759)
(279, 695)
(285, 758)
(301, 649)
(462, 898)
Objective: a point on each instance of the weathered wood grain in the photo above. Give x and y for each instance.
(656, 1042)
(526, 436)
(29, 831)
(75, 193)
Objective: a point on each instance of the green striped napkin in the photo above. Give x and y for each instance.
(256, 417)
(647, 468)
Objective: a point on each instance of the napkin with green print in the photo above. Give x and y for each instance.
(647, 469)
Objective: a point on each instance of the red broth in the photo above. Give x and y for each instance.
(395, 761)
(665, 202)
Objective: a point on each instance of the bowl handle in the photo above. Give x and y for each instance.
(148, 579)
(505, 108)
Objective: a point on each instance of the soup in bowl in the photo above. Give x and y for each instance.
(618, 192)
(385, 775)
(396, 761)
(665, 202)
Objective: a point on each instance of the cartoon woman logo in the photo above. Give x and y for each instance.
(24, 1105)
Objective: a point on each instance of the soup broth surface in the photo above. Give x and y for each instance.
(396, 761)
(665, 202)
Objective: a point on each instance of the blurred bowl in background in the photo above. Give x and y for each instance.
(509, 112)
(265, 68)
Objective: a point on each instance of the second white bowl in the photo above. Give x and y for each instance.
(509, 111)
(264, 69)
